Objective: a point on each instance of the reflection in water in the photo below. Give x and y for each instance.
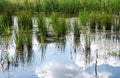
(43, 51)
(60, 45)
(56, 70)
(93, 55)
(76, 44)
(7, 52)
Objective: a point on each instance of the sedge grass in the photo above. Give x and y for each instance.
(42, 27)
(59, 25)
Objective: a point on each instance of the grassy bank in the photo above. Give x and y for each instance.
(61, 6)
(104, 13)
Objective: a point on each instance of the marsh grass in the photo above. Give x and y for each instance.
(59, 25)
(84, 17)
(63, 6)
(24, 38)
(25, 20)
(6, 22)
(20, 39)
(42, 27)
(102, 19)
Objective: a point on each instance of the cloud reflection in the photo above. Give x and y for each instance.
(55, 70)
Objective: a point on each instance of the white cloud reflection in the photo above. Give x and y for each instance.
(55, 70)
(80, 60)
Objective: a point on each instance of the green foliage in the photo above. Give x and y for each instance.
(3, 4)
(62, 6)
(42, 27)
(24, 38)
(6, 22)
(59, 25)
(25, 20)
(102, 19)
(84, 17)
(20, 39)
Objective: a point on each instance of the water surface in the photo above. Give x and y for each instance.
(97, 56)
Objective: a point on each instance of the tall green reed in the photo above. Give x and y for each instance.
(25, 20)
(20, 39)
(59, 25)
(65, 6)
(84, 17)
(42, 27)
(6, 22)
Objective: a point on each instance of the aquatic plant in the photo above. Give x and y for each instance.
(84, 17)
(20, 39)
(6, 22)
(42, 27)
(25, 20)
(59, 25)
(63, 6)
(102, 19)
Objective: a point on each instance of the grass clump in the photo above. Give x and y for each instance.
(84, 17)
(20, 39)
(6, 22)
(42, 27)
(24, 38)
(59, 25)
(25, 20)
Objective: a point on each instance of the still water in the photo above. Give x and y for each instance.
(68, 58)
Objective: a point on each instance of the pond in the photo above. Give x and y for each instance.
(97, 56)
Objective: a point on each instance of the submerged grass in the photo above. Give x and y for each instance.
(84, 17)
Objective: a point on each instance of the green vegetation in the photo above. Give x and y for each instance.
(20, 39)
(42, 27)
(84, 17)
(24, 38)
(62, 6)
(102, 19)
(6, 22)
(59, 25)
(101, 13)
(25, 20)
